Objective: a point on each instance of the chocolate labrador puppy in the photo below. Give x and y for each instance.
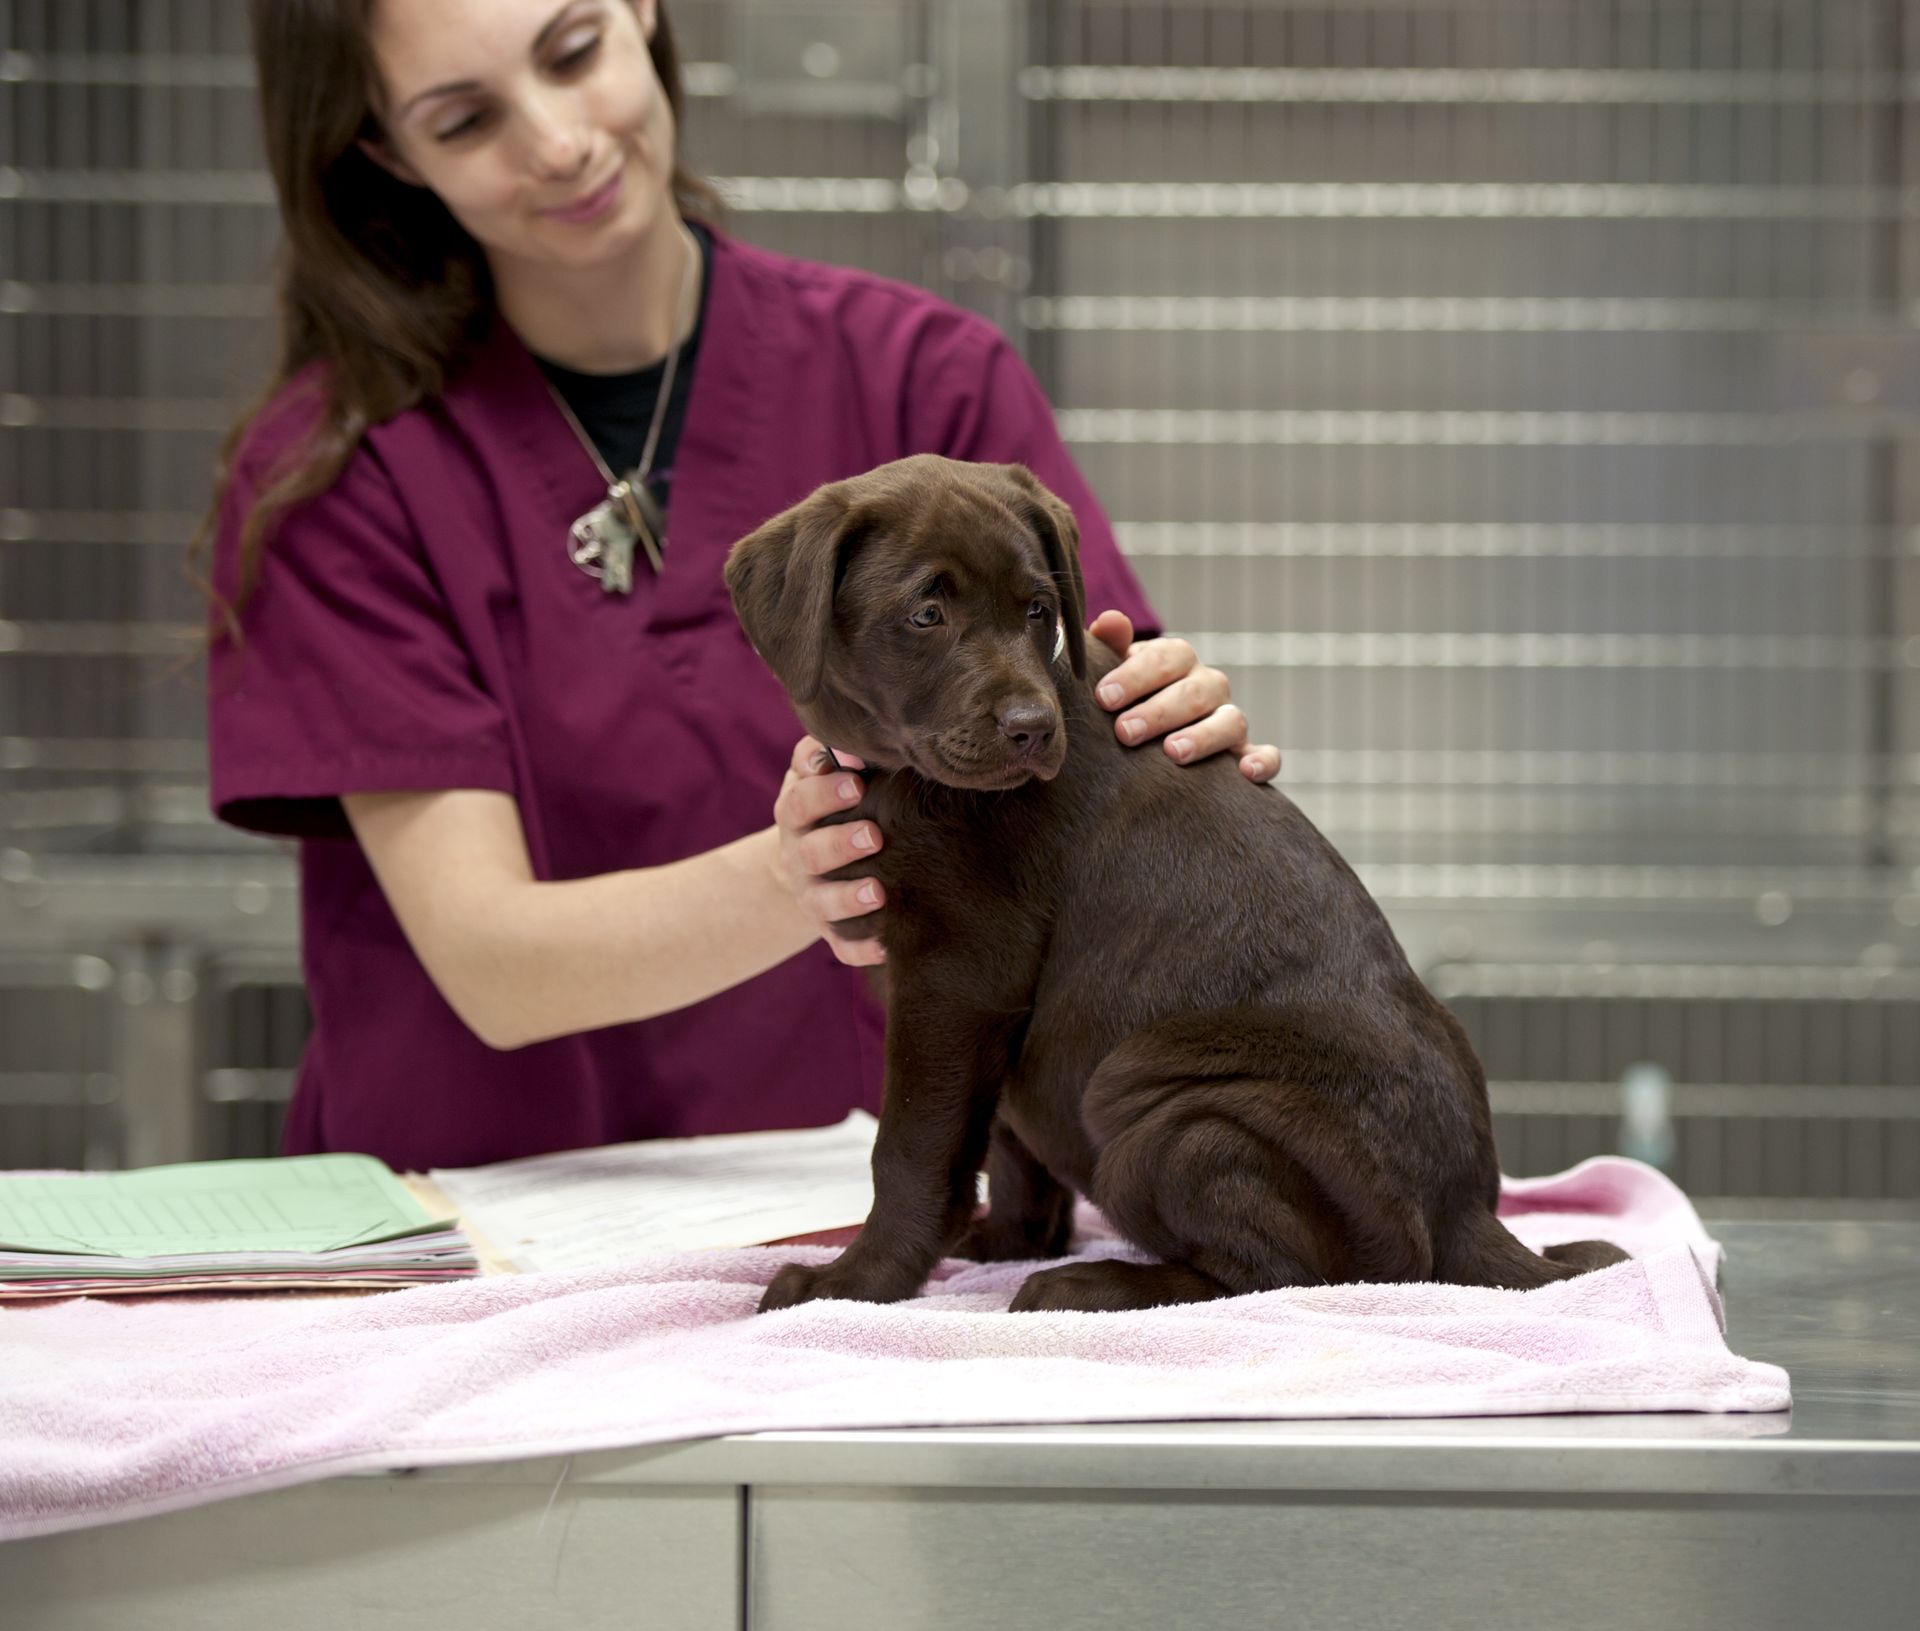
(1155, 985)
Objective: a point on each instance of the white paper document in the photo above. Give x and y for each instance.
(581, 1208)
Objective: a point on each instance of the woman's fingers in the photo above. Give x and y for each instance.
(1224, 730)
(811, 758)
(1195, 700)
(827, 849)
(1114, 630)
(857, 953)
(805, 800)
(1261, 763)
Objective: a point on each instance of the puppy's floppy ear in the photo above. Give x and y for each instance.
(782, 577)
(1059, 536)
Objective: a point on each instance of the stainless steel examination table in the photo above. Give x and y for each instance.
(1744, 1522)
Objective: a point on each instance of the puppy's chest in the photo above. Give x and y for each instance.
(956, 867)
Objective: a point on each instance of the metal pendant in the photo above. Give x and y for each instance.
(604, 539)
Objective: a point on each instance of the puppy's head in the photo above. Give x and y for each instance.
(921, 615)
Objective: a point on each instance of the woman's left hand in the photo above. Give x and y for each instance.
(1164, 687)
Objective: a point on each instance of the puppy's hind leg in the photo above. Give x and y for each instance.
(1481, 1251)
(1029, 1211)
(1204, 1155)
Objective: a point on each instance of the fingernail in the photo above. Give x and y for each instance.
(1133, 729)
(1110, 695)
(863, 838)
(867, 895)
(1180, 747)
(846, 789)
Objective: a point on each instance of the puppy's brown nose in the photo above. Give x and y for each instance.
(1027, 725)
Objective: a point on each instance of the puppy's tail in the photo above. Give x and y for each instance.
(1482, 1252)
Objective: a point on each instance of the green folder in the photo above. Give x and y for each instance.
(302, 1203)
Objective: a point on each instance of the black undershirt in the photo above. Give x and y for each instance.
(616, 409)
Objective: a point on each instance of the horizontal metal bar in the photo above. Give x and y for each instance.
(20, 411)
(1518, 86)
(249, 188)
(1191, 426)
(1471, 201)
(1218, 427)
(1728, 1101)
(148, 804)
(840, 195)
(1675, 982)
(169, 527)
(1114, 200)
(1802, 653)
(229, 71)
(1499, 819)
(1221, 314)
(1805, 1208)
(239, 300)
(1245, 648)
(234, 1086)
(22, 1088)
(1447, 314)
(1428, 769)
(136, 754)
(1475, 540)
(1278, 540)
(1681, 769)
(96, 639)
(53, 972)
(1663, 886)
(194, 71)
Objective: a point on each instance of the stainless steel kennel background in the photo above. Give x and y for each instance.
(1516, 397)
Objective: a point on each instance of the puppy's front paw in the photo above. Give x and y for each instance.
(834, 1282)
(793, 1285)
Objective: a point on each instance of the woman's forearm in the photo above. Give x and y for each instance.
(556, 958)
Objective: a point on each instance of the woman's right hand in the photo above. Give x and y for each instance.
(814, 789)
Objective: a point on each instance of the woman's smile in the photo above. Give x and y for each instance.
(590, 206)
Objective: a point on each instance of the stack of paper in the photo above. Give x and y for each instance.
(583, 1208)
(310, 1220)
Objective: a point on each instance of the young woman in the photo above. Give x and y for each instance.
(504, 702)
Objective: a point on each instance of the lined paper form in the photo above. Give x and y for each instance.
(302, 1204)
(582, 1208)
(310, 1220)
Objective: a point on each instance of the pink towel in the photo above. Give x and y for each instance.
(117, 1408)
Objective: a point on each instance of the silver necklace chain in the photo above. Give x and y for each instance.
(601, 542)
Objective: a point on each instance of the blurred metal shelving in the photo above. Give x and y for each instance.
(1517, 397)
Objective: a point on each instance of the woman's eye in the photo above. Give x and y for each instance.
(465, 127)
(926, 617)
(578, 57)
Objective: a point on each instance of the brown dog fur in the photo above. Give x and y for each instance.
(1159, 986)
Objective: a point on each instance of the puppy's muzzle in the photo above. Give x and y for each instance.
(1029, 729)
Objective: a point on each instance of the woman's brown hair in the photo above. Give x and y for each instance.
(376, 279)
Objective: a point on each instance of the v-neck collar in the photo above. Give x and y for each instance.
(719, 476)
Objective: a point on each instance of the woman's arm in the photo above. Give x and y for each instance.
(521, 961)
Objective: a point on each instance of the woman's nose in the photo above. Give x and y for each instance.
(557, 138)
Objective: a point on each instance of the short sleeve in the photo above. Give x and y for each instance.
(351, 675)
(974, 397)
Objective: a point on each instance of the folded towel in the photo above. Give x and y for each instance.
(114, 1409)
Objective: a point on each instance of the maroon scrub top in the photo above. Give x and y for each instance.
(421, 626)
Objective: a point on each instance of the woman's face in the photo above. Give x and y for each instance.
(540, 124)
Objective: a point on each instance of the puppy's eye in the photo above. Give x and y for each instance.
(1040, 610)
(926, 617)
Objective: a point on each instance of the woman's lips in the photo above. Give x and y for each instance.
(595, 204)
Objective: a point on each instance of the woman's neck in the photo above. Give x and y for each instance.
(609, 319)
